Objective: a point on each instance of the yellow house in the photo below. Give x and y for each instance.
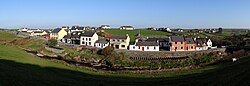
(58, 33)
(120, 42)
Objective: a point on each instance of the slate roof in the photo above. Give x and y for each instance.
(88, 34)
(71, 36)
(146, 43)
(56, 30)
(103, 41)
(177, 39)
(127, 26)
(119, 37)
(160, 39)
(67, 37)
(77, 27)
(189, 41)
(201, 41)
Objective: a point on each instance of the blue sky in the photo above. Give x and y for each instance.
(139, 13)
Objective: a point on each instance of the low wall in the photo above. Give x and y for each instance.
(54, 50)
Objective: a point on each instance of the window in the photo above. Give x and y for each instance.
(112, 44)
(181, 42)
(139, 47)
(83, 39)
(148, 48)
(89, 39)
(99, 44)
(86, 39)
(89, 43)
(175, 47)
(134, 47)
(123, 45)
(154, 47)
(113, 40)
(118, 40)
(122, 40)
(181, 47)
(83, 42)
(192, 47)
(175, 42)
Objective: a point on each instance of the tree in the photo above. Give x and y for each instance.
(220, 30)
(52, 42)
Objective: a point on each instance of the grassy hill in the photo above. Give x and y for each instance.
(17, 68)
(132, 33)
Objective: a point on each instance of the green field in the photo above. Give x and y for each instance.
(144, 33)
(21, 69)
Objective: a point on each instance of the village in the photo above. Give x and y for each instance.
(89, 37)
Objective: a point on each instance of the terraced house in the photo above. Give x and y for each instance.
(178, 43)
(120, 42)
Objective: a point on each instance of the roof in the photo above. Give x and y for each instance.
(146, 43)
(56, 30)
(201, 41)
(127, 26)
(102, 41)
(71, 36)
(119, 37)
(77, 27)
(160, 39)
(177, 39)
(189, 40)
(88, 34)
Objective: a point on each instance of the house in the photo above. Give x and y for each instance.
(177, 43)
(203, 43)
(23, 29)
(164, 43)
(165, 29)
(88, 38)
(58, 33)
(190, 44)
(145, 46)
(71, 39)
(105, 27)
(120, 42)
(77, 29)
(101, 43)
(126, 28)
(38, 33)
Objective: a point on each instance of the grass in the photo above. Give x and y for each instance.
(144, 33)
(17, 68)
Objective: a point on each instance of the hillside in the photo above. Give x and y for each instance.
(21, 69)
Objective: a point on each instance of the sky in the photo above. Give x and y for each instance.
(138, 13)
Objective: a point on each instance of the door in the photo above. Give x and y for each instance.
(142, 48)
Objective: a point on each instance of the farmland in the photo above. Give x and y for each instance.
(22, 69)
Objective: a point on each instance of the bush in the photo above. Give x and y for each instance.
(107, 51)
(52, 42)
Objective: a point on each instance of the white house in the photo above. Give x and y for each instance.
(126, 28)
(145, 46)
(101, 43)
(105, 27)
(88, 38)
(203, 43)
(77, 29)
(23, 30)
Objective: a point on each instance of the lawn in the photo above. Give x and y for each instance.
(144, 33)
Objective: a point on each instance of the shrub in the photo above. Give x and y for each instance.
(52, 42)
(107, 51)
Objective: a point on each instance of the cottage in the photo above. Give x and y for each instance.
(203, 43)
(58, 33)
(38, 33)
(145, 46)
(72, 39)
(105, 27)
(77, 29)
(190, 44)
(101, 43)
(126, 28)
(164, 43)
(120, 42)
(88, 38)
(178, 43)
